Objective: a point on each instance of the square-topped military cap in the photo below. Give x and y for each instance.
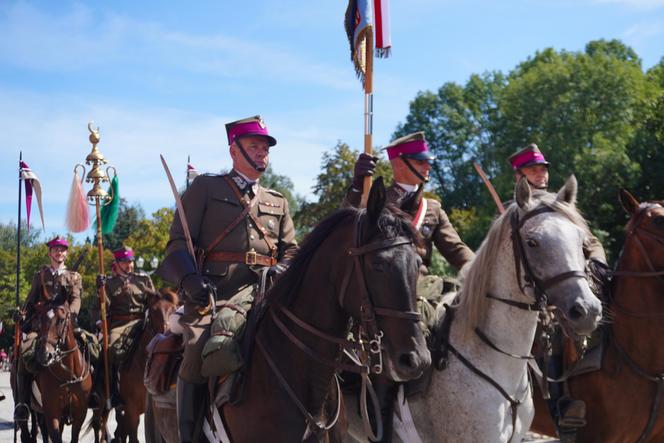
(410, 146)
(249, 126)
(528, 156)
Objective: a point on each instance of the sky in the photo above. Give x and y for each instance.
(163, 77)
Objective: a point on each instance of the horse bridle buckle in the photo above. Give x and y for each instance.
(250, 257)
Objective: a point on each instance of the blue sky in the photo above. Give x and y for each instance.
(164, 77)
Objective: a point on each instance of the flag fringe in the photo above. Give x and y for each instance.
(383, 52)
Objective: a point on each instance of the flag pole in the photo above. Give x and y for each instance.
(187, 173)
(17, 324)
(368, 108)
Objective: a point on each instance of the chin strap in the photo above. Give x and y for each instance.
(246, 156)
(413, 170)
(539, 188)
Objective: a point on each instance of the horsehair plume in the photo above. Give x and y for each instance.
(78, 218)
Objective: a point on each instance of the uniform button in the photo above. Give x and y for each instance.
(251, 237)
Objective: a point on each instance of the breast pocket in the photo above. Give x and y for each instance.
(270, 215)
(223, 209)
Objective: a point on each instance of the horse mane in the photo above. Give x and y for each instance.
(391, 222)
(472, 300)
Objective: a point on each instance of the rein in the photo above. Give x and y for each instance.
(368, 345)
(658, 379)
(539, 305)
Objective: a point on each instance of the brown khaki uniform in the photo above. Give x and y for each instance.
(211, 205)
(65, 286)
(126, 300)
(436, 229)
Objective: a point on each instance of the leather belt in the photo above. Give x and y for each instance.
(248, 258)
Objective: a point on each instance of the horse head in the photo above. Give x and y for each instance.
(386, 271)
(160, 307)
(548, 235)
(54, 333)
(644, 233)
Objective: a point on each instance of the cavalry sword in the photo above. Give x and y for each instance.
(489, 186)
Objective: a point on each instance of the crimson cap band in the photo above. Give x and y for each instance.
(249, 126)
(124, 253)
(410, 146)
(58, 241)
(528, 156)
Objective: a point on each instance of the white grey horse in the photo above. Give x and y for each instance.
(483, 394)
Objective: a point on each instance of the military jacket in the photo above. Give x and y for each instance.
(58, 287)
(435, 228)
(212, 206)
(127, 296)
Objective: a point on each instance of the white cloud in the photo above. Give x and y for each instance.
(79, 40)
(644, 31)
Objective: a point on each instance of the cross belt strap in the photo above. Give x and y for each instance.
(126, 317)
(248, 258)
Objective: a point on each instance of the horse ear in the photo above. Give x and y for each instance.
(376, 201)
(522, 193)
(629, 203)
(567, 193)
(410, 202)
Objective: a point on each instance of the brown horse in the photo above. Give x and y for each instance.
(623, 399)
(356, 264)
(132, 390)
(65, 380)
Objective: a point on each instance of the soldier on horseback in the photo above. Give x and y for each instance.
(567, 412)
(127, 301)
(411, 159)
(239, 229)
(54, 284)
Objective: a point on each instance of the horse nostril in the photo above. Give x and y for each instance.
(408, 360)
(577, 312)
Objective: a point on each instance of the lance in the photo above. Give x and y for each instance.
(489, 186)
(98, 197)
(17, 324)
(368, 109)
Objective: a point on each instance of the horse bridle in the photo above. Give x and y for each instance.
(368, 328)
(539, 287)
(658, 379)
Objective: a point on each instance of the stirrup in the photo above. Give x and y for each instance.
(572, 413)
(22, 412)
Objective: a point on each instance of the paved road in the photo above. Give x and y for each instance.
(7, 413)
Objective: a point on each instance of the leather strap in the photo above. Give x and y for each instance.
(248, 258)
(247, 207)
(254, 219)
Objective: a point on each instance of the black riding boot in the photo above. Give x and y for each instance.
(568, 413)
(386, 391)
(24, 388)
(190, 403)
(116, 399)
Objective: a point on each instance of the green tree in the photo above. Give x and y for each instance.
(129, 216)
(284, 185)
(331, 185)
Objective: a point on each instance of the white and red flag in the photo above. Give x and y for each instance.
(31, 184)
(382, 24)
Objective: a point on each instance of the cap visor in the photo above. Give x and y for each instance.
(427, 156)
(533, 163)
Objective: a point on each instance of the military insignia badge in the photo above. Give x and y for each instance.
(261, 123)
(426, 230)
(270, 224)
(239, 181)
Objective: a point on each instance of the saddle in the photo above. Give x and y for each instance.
(164, 356)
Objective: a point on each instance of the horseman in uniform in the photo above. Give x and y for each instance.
(127, 301)
(53, 284)
(238, 229)
(411, 159)
(567, 412)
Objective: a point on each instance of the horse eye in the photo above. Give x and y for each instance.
(658, 221)
(532, 243)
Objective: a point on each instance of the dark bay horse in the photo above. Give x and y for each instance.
(132, 390)
(624, 398)
(65, 380)
(356, 264)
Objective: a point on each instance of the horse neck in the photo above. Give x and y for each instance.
(73, 360)
(509, 328)
(638, 334)
(316, 303)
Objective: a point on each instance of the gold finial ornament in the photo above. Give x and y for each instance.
(98, 197)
